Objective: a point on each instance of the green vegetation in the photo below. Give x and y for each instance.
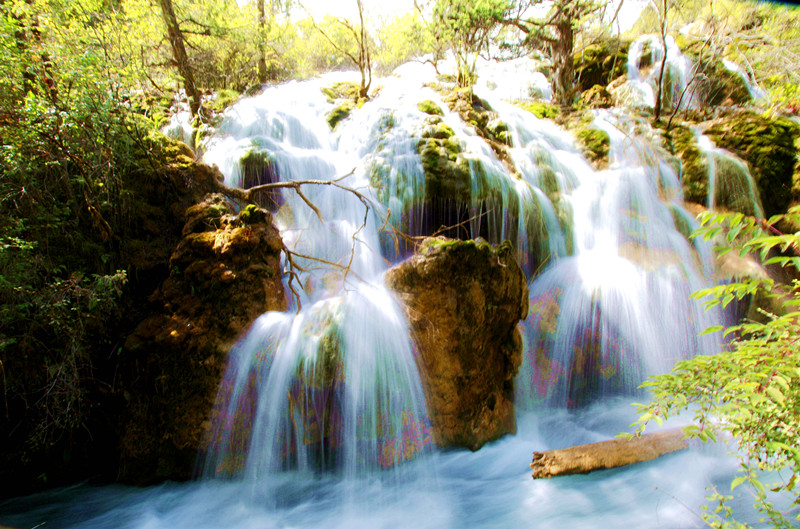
(752, 389)
(768, 146)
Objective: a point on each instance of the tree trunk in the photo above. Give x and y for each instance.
(660, 87)
(607, 454)
(364, 63)
(262, 49)
(564, 75)
(176, 40)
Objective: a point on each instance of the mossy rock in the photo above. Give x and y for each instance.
(222, 100)
(252, 214)
(339, 114)
(646, 57)
(681, 141)
(540, 109)
(597, 97)
(721, 85)
(447, 173)
(438, 129)
(341, 90)
(595, 145)
(429, 107)
(768, 146)
(598, 64)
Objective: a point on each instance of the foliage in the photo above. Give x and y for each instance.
(751, 390)
(400, 40)
(468, 25)
(73, 150)
(554, 33)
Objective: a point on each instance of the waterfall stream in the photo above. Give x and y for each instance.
(321, 420)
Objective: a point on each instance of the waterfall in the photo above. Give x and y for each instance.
(321, 420)
(730, 184)
(334, 386)
(644, 68)
(617, 310)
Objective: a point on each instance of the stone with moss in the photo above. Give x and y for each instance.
(447, 173)
(595, 145)
(438, 129)
(429, 107)
(339, 113)
(768, 145)
(681, 141)
(721, 85)
(340, 90)
(598, 64)
(222, 99)
(597, 97)
(463, 300)
(540, 109)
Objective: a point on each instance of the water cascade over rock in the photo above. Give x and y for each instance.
(618, 309)
(321, 418)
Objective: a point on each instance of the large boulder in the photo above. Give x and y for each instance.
(224, 273)
(463, 300)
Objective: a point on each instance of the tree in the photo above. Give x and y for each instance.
(356, 46)
(467, 25)
(556, 31)
(663, 12)
(176, 41)
(750, 390)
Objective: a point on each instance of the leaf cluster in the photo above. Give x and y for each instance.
(750, 390)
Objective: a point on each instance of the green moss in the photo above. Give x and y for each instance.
(599, 64)
(439, 130)
(723, 85)
(339, 114)
(223, 99)
(539, 109)
(646, 57)
(694, 168)
(255, 158)
(768, 147)
(595, 144)
(597, 97)
(447, 174)
(341, 90)
(429, 107)
(252, 214)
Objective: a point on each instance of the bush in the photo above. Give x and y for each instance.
(751, 390)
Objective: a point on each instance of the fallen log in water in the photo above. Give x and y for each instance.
(606, 454)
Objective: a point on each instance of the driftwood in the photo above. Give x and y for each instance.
(606, 454)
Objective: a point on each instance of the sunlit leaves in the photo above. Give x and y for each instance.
(751, 390)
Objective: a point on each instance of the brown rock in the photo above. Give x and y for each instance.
(223, 274)
(463, 300)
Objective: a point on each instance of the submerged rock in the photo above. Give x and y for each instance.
(463, 300)
(224, 273)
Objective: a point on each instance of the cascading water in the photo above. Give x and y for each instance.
(321, 420)
(333, 386)
(730, 184)
(644, 69)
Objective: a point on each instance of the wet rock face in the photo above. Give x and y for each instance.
(224, 273)
(463, 300)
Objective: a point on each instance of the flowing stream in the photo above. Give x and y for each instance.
(321, 418)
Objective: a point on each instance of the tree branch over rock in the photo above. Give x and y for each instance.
(248, 196)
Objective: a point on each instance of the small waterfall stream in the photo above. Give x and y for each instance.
(321, 420)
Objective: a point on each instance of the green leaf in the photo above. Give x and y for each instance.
(738, 481)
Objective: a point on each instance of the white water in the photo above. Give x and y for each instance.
(321, 436)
